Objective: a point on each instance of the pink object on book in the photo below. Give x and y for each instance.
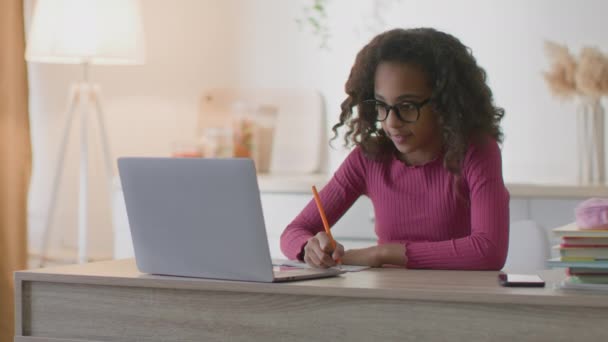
(592, 214)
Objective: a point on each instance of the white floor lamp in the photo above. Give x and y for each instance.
(84, 32)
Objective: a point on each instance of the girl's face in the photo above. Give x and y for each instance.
(400, 84)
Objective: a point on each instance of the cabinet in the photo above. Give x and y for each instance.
(354, 230)
(283, 197)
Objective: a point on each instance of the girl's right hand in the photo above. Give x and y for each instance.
(319, 253)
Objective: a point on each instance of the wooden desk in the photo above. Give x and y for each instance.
(112, 301)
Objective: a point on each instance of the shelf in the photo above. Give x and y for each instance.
(556, 191)
(289, 183)
(301, 184)
(281, 183)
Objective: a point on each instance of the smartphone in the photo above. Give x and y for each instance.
(520, 280)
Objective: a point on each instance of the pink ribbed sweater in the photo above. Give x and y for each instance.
(441, 225)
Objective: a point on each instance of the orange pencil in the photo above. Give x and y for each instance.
(324, 218)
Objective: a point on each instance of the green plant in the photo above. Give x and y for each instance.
(315, 18)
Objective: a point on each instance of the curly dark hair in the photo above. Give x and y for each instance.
(461, 97)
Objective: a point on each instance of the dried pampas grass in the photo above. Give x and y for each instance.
(568, 77)
(561, 76)
(592, 73)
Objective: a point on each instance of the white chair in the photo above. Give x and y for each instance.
(528, 248)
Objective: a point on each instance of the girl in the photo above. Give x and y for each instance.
(426, 135)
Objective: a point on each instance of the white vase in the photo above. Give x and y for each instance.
(590, 141)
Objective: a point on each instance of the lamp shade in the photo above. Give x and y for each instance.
(86, 31)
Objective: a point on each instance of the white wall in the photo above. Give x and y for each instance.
(505, 36)
(193, 44)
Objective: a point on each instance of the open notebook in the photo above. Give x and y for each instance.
(298, 264)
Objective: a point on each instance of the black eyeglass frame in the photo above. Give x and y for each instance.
(395, 108)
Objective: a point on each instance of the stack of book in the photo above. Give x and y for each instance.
(584, 254)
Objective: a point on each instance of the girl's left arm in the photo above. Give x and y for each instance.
(376, 256)
(487, 245)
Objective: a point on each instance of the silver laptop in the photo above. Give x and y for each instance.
(201, 218)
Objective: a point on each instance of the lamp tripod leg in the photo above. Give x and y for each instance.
(73, 99)
(83, 189)
(96, 98)
(107, 154)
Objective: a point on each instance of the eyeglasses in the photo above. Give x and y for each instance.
(406, 111)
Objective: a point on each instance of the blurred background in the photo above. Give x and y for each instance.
(286, 62)
(194, 45)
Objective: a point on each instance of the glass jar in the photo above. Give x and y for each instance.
(185, 149)
(216, 142)
(266, 116)
(243, 130)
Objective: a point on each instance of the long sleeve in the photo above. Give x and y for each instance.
(346, 185)
(486, 246)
